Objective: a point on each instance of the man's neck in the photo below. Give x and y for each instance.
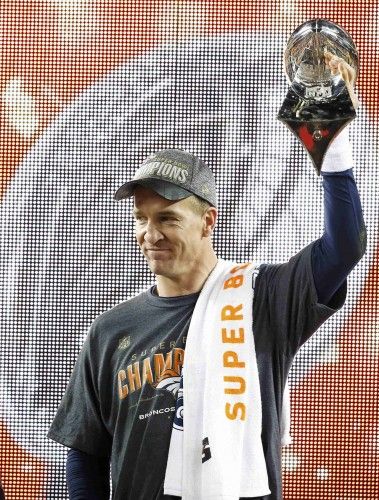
(188, 283)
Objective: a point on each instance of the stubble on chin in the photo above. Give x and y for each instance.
(159, 267)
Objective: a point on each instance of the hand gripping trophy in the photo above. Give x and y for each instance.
(321, 63)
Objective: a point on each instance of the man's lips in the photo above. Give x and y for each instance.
(156, 252)
(157, 249)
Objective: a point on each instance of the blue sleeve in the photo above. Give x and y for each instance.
(87, 476)
(344, 240)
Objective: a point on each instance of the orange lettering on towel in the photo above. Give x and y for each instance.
(239, 267)
(232, 415)
(231, 337)
(234, 282)
(237, 410)
(238, 390)
(231, 313)
(231, 360)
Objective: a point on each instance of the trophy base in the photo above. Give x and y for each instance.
(316, 123)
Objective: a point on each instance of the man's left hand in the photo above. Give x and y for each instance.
(347, 73)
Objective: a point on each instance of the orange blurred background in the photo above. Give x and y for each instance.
(52, 50)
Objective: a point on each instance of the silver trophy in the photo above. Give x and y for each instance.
(318, 105)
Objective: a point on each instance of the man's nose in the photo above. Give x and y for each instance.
(152, 235)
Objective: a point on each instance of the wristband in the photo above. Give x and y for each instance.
(339, 156)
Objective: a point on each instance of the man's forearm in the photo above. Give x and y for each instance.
(87, 476)
(344, 240)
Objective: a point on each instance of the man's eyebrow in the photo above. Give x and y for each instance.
(169, 212)
(136, 211)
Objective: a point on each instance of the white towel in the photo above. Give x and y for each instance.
(219, 454)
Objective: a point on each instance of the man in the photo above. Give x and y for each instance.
(120, 402)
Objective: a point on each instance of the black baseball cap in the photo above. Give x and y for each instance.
(174, 174)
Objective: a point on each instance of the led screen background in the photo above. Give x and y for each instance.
(88, 89)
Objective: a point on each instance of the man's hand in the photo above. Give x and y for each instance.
(347, 73)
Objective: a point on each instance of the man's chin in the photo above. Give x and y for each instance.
(160, 267)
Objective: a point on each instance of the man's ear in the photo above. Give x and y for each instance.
(209, 218)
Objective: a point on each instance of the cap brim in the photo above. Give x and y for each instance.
(165, 189)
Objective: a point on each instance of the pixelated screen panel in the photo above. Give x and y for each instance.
(90, 88)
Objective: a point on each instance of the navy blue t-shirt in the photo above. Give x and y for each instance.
(120, 399)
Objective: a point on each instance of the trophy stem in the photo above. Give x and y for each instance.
(316, 123)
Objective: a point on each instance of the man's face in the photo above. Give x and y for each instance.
(169, 233)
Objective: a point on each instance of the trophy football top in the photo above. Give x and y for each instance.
(304, 55)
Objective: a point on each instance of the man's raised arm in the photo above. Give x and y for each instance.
(344, 240)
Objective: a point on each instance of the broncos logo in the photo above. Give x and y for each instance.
(169, 380)
(178, 418)
(173, 382)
